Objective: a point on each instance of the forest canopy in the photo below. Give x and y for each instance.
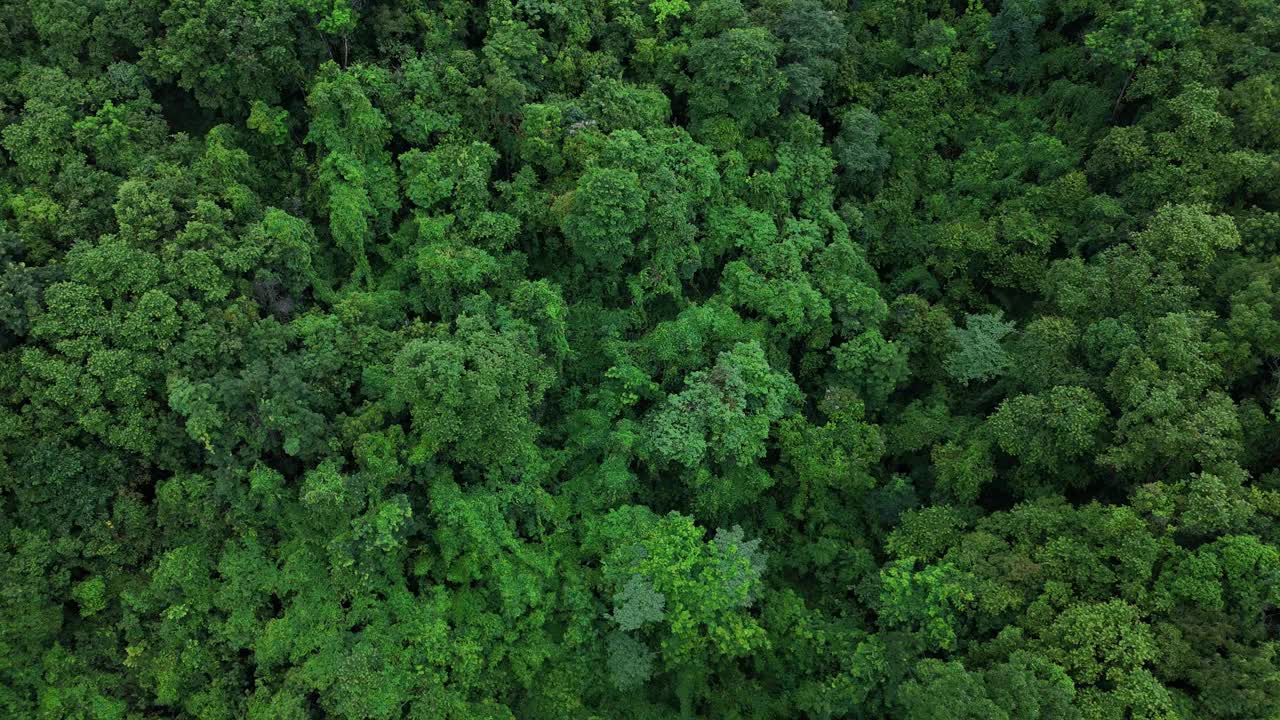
(640, 359)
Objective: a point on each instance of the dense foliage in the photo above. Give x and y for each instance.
(640, 359)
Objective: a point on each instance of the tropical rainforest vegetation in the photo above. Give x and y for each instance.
(595, 359)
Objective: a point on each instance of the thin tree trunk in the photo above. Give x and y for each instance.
(1124, 89)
